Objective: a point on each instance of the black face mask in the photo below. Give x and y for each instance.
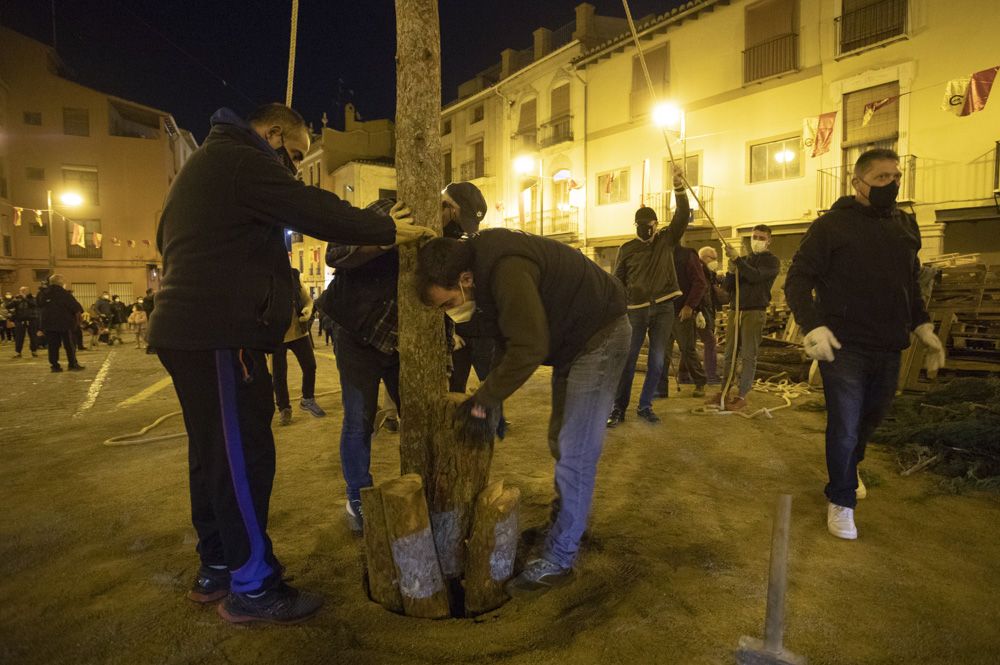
(645, 231)
(453, 230)
(883, 197)
(285, 158)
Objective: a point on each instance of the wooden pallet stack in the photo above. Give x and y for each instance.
(964, 305)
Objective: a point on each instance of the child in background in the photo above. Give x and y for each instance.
(137, 320)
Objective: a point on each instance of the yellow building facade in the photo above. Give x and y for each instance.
(118, 156)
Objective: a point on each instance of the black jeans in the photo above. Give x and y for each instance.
(64, 337)
(859, 386)
(361, 368)
(226, 399)
(685, 333)
(22, 329)
(303, 350)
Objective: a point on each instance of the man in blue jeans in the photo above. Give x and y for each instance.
(861, 260)
(549, 305)
(645, 267)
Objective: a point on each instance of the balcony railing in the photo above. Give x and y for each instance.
(770, 58)
(472, 169)
(836, 182)
(873, 24)
(663, 203)
(563, 224)
(557, 130)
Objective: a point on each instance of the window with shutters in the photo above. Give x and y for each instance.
(527, 125)
(612, 187)
(446, 127)
(76, 122)
(776, 160)
(446, 167)
(82, 180)
(477, 114)
(32, 118)
(866, 23)
(883, 123)
(34, 173)
(658, 62)
(772, 46)
(559, 128)
(89, 250)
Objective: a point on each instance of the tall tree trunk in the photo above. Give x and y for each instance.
(423, 359)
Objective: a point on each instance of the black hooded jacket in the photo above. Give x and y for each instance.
(227, 282)
(864, 269)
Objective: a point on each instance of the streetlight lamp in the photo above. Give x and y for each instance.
(524, 165)
(68, 199)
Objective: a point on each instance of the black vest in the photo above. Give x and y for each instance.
(580, 299)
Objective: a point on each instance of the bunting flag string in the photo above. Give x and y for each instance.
(97, 240)
(17, 216)
(78, 237)
(872, 107)
(969, 94)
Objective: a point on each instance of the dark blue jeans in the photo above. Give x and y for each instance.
(859, 386)
(361, 368)
(657, 321)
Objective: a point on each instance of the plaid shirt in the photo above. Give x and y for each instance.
(385, 332)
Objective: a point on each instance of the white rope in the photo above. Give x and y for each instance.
(291, 52)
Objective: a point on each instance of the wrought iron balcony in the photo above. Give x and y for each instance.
(562, 224)
(472, 169)
(770, 58)
(877, 23)
(835, 182)
(555, 131)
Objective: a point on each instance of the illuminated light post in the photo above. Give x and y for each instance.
(68, 199)
(524, 165)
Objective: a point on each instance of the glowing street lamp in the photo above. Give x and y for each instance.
(524, 165)
(668, 115)
(68, 199)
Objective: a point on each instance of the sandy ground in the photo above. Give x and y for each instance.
(96, 550)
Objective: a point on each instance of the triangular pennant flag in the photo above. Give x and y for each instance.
(871, 107)
(97, 240)
(116, 242)
(824, 133)
(964, 96)
(38, 217)
(17, 216)
(146, 243)
(79, 236)
(130, 243)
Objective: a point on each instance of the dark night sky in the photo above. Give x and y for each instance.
(189, 58)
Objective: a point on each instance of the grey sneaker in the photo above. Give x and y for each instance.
(312, 407)
(285, 417)
(210, 584)
(355, 516)
(538, 576)
(279, 604)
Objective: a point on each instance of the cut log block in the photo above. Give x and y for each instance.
(460, 471)
(408, 524)
(383, 587)
(492, 547)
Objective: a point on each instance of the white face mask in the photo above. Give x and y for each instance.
(713, 266)
(758, 246)
(462, 313)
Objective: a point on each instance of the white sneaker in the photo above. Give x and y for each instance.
(840, 521)
(862, 491)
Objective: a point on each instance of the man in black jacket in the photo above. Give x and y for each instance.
(226, 300)
(645, 267)
(24, 312)
(757, 273)
(61, 315)
(550, 305)
(362, 302)
(861, 260)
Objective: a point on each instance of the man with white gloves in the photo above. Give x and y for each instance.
(860, 258)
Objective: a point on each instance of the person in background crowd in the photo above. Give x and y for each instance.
(646, 269)
(120, 314)
(693, 285)
(362, 301)
(147, 306)
(297, 340)
(60, 316)
(138, 320)
(854, 288)
(757, 274)
(23, 310)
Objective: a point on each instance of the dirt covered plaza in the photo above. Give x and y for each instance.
(97, 551)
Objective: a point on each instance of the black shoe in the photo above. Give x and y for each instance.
(279, 604)
(210, 585)
(649, 416)
(150, 351)
(616, 418)
(76, 368)
(56, 368)
(355, 516)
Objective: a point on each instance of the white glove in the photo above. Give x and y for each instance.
(700, 322)
(820, 343)
(935, 350)
(406, 230)
(307, 313)
(458, 343)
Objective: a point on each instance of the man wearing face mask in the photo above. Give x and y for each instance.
(226, 300)
(646, 268)
(362, 302)
(550, 305)
(710, 304)
(861, 260)
(757, 273)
